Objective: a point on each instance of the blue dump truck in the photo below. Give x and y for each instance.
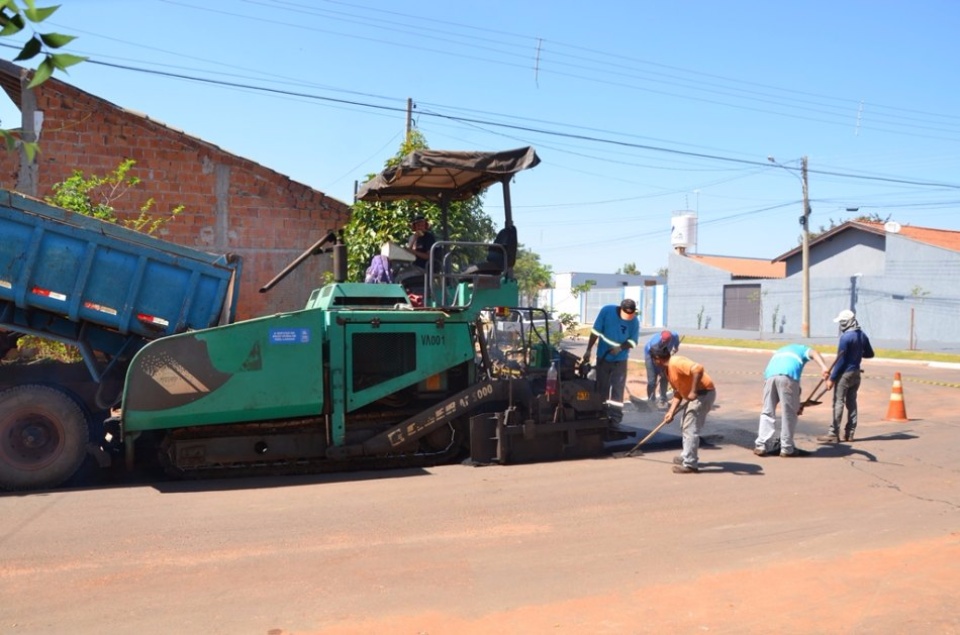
(104, 289)
(366, 375)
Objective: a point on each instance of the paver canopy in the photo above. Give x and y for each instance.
(442, 176)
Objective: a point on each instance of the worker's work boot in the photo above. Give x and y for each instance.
(848, 435)
(828, 438)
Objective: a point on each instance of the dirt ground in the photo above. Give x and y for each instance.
(894, 590)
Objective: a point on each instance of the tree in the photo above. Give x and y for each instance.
(532, 275)
(95, 196)
(585, 287)
(13, 20)
(373, 224)
(629, 269)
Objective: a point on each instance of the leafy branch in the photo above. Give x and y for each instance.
(95, 196)
(13, 20)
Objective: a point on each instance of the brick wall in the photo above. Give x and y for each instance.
(232, 205)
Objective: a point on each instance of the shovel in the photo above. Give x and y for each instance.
(814, 398)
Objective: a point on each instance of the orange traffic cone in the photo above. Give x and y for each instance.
(896, 411)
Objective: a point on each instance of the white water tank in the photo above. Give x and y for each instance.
(683, 231)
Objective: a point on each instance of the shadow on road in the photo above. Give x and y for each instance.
(165, 484)
(733, 467)
(894, 436)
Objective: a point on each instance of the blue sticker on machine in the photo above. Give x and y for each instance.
(289, 336)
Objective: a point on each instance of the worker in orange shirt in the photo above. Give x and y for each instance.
(694, 394)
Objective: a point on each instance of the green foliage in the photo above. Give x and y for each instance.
(571, 324)
(13, 20)
(31, 347)
(872, 217)
(372, 224)
(576, 290)
(629, 269)
(11, 141)
(95, 196)
(532, 275)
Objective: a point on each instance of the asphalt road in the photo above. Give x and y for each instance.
(859, 538)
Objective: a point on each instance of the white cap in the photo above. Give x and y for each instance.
(845, 316)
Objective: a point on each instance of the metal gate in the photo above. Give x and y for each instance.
(741, 307)
(596, 299)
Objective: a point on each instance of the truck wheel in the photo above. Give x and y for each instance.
(43, 437)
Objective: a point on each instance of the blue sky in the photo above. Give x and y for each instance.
(639, 110)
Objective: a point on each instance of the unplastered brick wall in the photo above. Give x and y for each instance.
(231, 204)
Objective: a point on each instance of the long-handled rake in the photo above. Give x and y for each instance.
(636, 449)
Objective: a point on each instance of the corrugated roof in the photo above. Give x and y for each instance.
(744, 267)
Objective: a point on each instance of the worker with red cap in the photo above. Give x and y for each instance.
(656, 374)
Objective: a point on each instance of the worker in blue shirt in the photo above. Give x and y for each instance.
(618, 330)
(782, 386)
(853, 347)
(658, 374)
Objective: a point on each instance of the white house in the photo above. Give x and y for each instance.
(568, 295)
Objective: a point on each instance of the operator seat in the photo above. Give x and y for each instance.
(494, 264)
(413, 281)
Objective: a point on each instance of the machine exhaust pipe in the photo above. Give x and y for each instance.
(339, 262)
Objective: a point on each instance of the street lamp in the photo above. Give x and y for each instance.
(805, 249)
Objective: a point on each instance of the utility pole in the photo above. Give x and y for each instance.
(805, 242)
(409, 119)
(805, 224)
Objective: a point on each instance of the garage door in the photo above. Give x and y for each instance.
(741, 307)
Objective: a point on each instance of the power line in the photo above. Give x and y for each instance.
(509, 126)
(466, 36)
(528, 43)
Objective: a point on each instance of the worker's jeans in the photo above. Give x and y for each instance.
(656, 374)
(784, 391)
(694, 415)
(611, 381)
(845, 395)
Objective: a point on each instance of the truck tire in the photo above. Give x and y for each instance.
(43, 437)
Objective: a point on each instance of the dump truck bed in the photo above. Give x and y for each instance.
(70, 276)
